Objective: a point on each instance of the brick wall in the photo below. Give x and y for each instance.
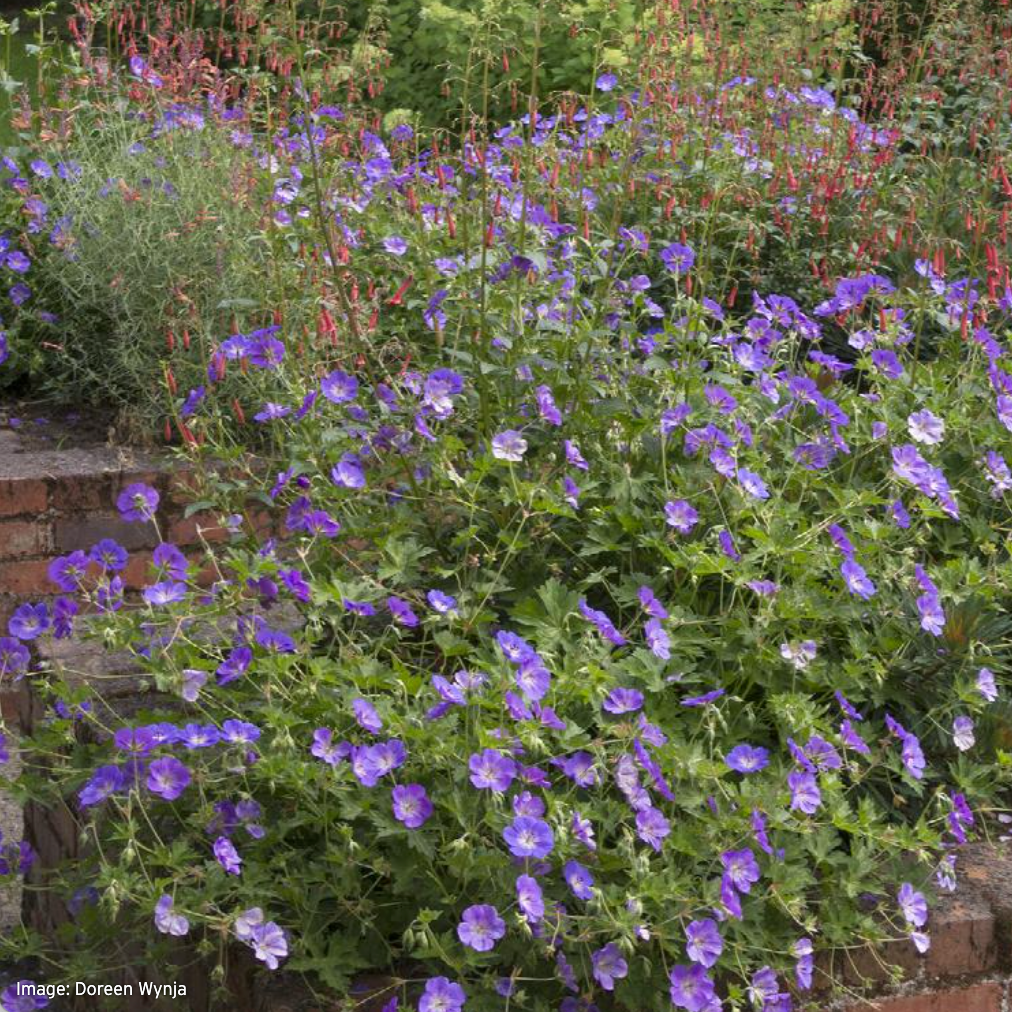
(53, 502)
(56, 501)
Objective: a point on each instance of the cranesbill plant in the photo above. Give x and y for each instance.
(685, 666)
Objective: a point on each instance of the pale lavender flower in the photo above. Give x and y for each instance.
(962, 733)
(269, 944)
(167, 921)
(986, 685)
(509, 445)
(657, 639)
(227, 856)
(805, 794)
(913, 905)
(681, 515)
(529, 899)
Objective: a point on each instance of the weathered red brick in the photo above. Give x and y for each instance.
(20, 538)
(83, 531)
(137, 572)
(963, 938)
(23, 497)
(987, 869)
(977, 998)
(867, 965)
(10, 705)
(181, 485)
(192, 530)
(76, 492)
(26, 578)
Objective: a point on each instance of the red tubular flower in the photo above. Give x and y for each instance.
(395, 299)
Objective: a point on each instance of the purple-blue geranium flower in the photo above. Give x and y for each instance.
(227, 856)
(271, 411)
(324, 747)
(752, 484)
(652, 827)
(167, 921)
(269, 944)
(805, 794)
(239, 732)
(705, 699)
(104, 781)
(443, 603)
(402, 613)
(604, 625)
(986, 685)
(370, 762)
(138, 502)
(657, 639)
(747, 758)
(533, 678)
(165, 592)
(491, 770)
(29, 621)
(441, 995)
(579, 767)
(680, 515)
(411, 805)
(440, 387)
(692, 989)
(678, 258)
(913, 905)
(168, 778)
(194, 736)
(607, 966)
(234, 665)
(527, 837)
(741, 868)
(338, 387)
(14, 656)
(579, 880)
(857, 580)
(623, 700)
(651, 605)
(348, 473)
(546, 405)
(727, 546)
(481, 927)
(606, 81)
(925, 427)
(366, 715)
(530, 899)
(703, 944)
(68, 571)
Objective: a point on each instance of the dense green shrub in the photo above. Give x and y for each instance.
(718, 623)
